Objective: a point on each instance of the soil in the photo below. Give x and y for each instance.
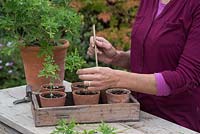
(119, 92)
(54, 87)
(54, 96)
(86, 92)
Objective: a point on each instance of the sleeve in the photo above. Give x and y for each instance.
(162, 87)
(187, 73)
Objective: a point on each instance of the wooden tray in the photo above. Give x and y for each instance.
(85, 113)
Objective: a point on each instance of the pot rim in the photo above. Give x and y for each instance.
(64, 94)
(74, 93)
(109, 91)
(75, 84)
(32, 48)
(56, 84)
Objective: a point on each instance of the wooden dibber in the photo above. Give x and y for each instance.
(95, 47)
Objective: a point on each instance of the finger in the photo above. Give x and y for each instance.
(91, 88)
(89, 77)
(90, 51)
(98, 51)
(101, 39)
(90, 54)
(100, 42)
(104, 45)
(92, 41)
(87, 83)
(88, 70)
(92, 83)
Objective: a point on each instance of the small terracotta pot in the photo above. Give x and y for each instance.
(118, 95)
(77, 86)
(52, 102)
(85, 97)
(56, 87)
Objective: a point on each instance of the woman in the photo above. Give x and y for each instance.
(164, 61)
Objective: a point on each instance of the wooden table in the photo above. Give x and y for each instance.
(17, 119)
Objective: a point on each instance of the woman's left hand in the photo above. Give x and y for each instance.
(98, 78)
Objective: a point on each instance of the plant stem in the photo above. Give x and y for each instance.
(51, 87)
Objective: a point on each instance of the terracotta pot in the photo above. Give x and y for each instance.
(33, 64)
(52, 102)
(118, 95)
(85, 97)
(77, 86)
(56, 87)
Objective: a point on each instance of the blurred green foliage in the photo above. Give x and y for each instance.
(113, 20)
(11, 71)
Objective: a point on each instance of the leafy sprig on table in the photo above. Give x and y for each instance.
(62, 128)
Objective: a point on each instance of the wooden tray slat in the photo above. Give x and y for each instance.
(85, 113)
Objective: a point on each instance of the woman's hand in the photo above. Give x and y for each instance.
(98, 78)
(106, 52)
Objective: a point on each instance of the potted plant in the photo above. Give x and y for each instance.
(38, 29)
(51, 95)
(118, 95)
(52, 98)
(82, 96)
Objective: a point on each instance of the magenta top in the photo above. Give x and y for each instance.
(161, 6)
(162, 87)
(169, 44)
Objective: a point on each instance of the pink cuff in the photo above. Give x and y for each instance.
(162, 87)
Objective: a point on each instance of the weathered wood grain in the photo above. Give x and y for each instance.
(19, 118)
(5, 129)
(85, 113)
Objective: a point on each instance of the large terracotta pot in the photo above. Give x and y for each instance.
(33, 64)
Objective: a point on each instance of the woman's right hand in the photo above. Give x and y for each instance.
(106, 52)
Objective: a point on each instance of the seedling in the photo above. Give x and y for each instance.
(62, 128)
(50, 71)
(106, 129)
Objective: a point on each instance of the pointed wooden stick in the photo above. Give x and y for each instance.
(95, 47)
